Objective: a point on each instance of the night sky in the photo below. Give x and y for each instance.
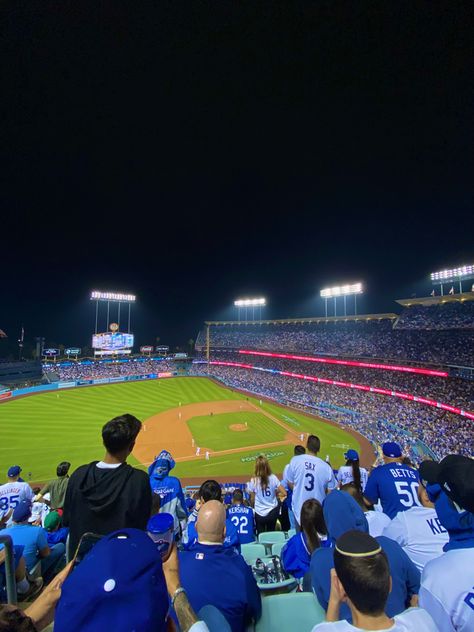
(196, 152)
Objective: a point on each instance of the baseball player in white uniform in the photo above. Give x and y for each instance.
(309, 476)
(13, 492)
(207, 455)
(198, 451)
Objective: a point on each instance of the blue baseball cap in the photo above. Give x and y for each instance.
(22, 511)
(391, 449)
(351, 455)
(118, 586)
(14, 471)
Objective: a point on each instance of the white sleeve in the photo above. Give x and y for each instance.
(339, 475)
(331, 484)
(436, 609)
(396, 530)
(290, 475)
(251, 486)
(199, 626)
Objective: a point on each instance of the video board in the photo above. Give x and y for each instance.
(112, 341)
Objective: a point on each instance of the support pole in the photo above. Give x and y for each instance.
(345, 310)
(208, 344)
(335, 308)
(129, 310)
(96, 314)
(441, 286)
(118, 316)
(107, 324)
(355, 304)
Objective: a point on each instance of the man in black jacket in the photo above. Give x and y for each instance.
(107, 495)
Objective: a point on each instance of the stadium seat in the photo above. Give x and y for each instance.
(252, 551)
(270, 537)
(292, 611)
(291, 533)
(277, 547)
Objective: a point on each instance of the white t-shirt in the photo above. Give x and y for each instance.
(345, 475)
(378, 521)
(265, 499)
(11, 494)
(412, 620)
(419, 532)
(311, 477)
(447, 590)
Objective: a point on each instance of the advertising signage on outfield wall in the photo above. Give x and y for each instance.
(75, 351)
(49, 353)
(146, 349)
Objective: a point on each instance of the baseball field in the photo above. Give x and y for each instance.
(211, 430)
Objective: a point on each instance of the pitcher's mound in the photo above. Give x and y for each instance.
(238, 427)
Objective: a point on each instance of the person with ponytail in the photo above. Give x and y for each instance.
(351, 472)
(265, 491)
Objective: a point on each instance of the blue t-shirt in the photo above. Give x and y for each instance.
(395, 485)
(243, 519)
(33, 539)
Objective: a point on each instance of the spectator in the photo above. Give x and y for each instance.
(265, 490)
(393, 483)
(296, 554)
(168, 488)
(309, 476)
(57, 487)
(419, 531)
(242, 517)
(35, 543)
(361, 579)
(107, 495)
(351, 472)
(378, 521)
(12, 493)
(39, 509)
(216, 575)
(26, 586)
(298, 449)
(54, 532)
(342, 514)
(447, 581)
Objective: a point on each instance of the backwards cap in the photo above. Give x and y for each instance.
(391, 449)
(455, 475)
(357, 544)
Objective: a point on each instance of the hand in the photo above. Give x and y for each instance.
(337, 594)
(171, 570)
(414, 601)
(41, 610)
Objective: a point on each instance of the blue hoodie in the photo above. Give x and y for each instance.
(342, 513)
(168, 488)
(459, 524)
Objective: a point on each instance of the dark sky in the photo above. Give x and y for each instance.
(194, 152)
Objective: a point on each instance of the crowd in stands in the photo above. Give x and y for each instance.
(99, 369)
(449, 315)
(374, 416)
(390, 551)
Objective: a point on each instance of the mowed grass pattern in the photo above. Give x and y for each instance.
(214, 433)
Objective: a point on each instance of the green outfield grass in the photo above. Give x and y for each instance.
(38, 432)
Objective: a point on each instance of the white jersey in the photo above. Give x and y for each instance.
(345, 475)
(420, 534)
(378, 522)
(412, 620)
(311, 477)
(265, 499)
(447, 590)
(11, 494)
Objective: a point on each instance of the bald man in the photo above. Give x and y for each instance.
(217, 575)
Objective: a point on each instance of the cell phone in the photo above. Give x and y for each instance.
(86, 543)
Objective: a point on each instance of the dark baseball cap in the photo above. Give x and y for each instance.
(14, 471)
(455, 475)
(22, 511)
(391, 449)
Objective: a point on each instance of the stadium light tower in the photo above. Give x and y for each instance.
(344, 291)
(250, 302)
(452, 275)
(112, 297)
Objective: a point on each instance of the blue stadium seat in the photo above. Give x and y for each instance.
(252, 551)
(270, 537)
(277, 547)
(291, 533)
(292, 611)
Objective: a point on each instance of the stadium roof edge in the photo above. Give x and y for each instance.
(296, 321)
(436, 300)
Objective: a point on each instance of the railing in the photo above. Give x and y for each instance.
(9, 568)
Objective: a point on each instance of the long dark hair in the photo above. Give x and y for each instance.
(262, 470)
(312, 523)
(355, 473)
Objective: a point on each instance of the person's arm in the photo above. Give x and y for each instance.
(41, 611)
(42, 544)
(181, 509)
(336, 597)
(438, 612)
(281, 493)
(412, 578)
(371, 491)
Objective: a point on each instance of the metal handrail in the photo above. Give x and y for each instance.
(9, 568)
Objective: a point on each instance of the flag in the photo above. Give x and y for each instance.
(433, 293)
(3, 334)
(451, 291)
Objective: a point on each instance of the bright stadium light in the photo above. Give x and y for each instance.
(451, 275)
(112, 296)
(341, 290)
(250, 302)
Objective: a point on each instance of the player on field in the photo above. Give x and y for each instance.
(309, 476)
(12, 493)
(394, 484)
(242, 517)
(168, 488)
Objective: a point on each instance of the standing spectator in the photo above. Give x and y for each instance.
(361, 579)
(378, 521)
(298, 449)
(394, 484)
(309, 476)
(264, 489)
(242, 517)
(168, 488)
(351, 472)
(57, 487)
(217, 575)
(12, 493)
(107, 495)
(419, 531)
(447, 583)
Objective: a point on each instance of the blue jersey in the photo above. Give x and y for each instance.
(190, 536)
(243, 519)
(395, 485)
(171, 498)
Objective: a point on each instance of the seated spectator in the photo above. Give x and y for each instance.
(361, 579)
(216, 575)
(14, 491)
(419, 531)
(168, 488)
(209, 490)
(39, 509)
(265, 493)
(107, 495)
(447, 583)
(57, 487)
(377, 520)
(341, 514)
(35, 543)
(242, 517)
(54, 532)
(296, 554)
(351, 472)
(26, 587)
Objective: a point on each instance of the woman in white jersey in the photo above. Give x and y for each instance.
(351, 472)
(265, 490)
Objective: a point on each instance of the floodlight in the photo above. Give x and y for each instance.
(341, 290)
(453, 274)
(250, 302)
(112, 296)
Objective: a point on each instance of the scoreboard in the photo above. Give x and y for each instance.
(112, 341)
